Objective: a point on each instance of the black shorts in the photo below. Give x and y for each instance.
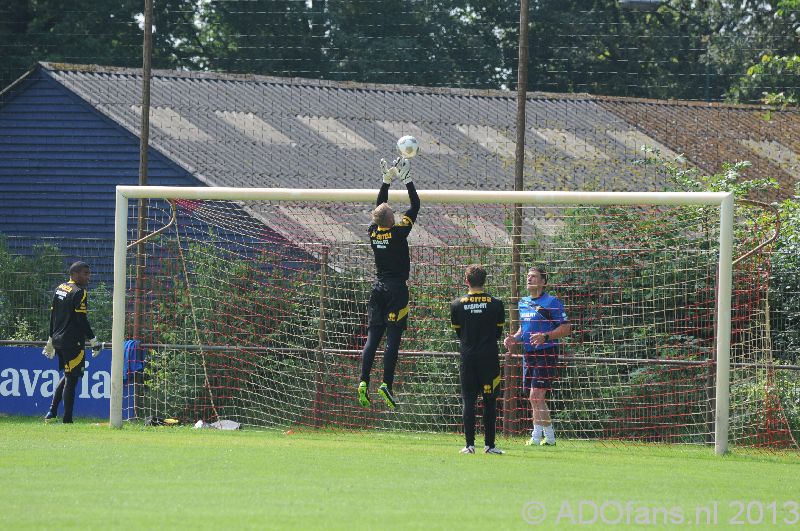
(388, 304)
(540, 369)
(71, 361)
(480, 375)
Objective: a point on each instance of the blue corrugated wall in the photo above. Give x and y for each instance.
(60, 160)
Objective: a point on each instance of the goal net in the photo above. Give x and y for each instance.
(251, 305)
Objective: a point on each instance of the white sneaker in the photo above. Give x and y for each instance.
(533, 441)
(468, 450)
(492, 450)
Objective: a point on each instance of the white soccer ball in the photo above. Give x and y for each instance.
(408, 147)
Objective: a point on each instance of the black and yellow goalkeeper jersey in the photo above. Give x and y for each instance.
(477, 319)
(390, 244)
(69, 323)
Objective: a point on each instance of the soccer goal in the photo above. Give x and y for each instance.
(251, 305)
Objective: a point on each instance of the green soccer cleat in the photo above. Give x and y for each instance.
(545, 442)
(363, 396)
(387, 396)
(533, 441)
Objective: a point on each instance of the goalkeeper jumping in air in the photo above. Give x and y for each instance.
(388, 301)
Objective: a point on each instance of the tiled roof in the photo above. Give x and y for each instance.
(233, 130)
(710, 135)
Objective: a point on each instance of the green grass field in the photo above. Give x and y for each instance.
(89, 476)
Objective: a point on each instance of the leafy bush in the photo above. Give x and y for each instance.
(27, 288)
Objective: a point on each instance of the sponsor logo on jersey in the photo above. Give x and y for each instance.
(380, 239)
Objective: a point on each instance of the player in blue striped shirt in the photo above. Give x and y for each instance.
(543, 321)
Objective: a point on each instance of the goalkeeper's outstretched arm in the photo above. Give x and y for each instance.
(402, 169)
(383, 195)
(389, 173)
(404, 173)
(414, 198)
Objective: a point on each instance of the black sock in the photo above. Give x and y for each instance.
(57, 394)
(390, 355)
(374, 335)
(69, 395)
(489, 419)
(469, 420)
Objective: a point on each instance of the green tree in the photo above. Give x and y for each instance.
(82, 31)
(774, 68)
(430, 43)
(785, 293)
(280, 38)
(687, 50)
(774, 80)
(27, 284)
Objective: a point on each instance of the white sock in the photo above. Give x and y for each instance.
(550, 433)
(537, 431)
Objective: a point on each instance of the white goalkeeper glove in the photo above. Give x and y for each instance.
(95, 346)
(49, 351)
(389, 172)
(403, 170)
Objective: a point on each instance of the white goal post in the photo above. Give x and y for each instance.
(723, 201)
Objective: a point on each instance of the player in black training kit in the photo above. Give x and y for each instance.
(477, 319)
(388, 301)
(69, 329)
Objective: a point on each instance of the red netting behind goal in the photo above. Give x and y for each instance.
(255, 311)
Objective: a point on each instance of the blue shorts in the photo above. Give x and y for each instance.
(540, 369)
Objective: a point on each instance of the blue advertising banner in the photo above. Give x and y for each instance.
(28, 381)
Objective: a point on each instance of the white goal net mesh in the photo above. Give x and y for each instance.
(256, 311)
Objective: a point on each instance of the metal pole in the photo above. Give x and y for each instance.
(144, 136)
(467, 197)
(118, 312)
(722, 404)
(147, 52)
(319, 396)
(509, 372)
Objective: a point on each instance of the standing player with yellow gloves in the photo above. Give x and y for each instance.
(69, 329)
